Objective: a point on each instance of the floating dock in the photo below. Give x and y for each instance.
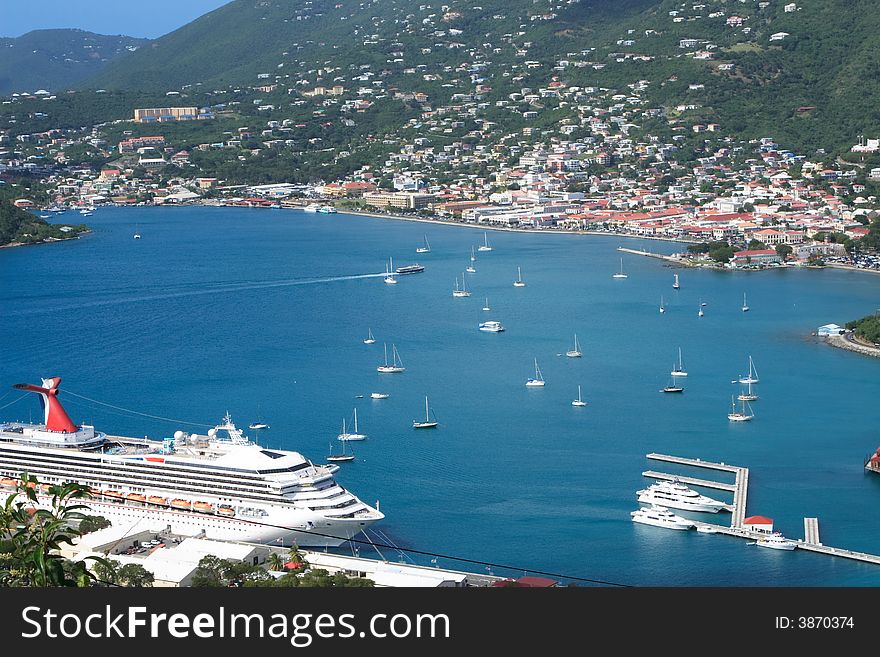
(810, 543)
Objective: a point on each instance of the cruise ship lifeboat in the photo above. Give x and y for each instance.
(113, 493)
(155, 499)
(31, 484)
(45, 487)
(136, 497)
(186, 505)
(227, 511)
(8, 482)
(203, 507)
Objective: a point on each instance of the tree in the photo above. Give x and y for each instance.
(756, 245)
(31, 537)
(275, 561)
(784, 250)
(213, 572)
(90, 524)
(134, 575)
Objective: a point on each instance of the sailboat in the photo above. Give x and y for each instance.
(576, 352)
(752, 376)
(620, 274)
(700, 311)
(741, 415)
(389, 273)
(745, 307)
(485, 245)
(336, 458)
(486, 307)
(460, 292)
(662, 307)
(137, 233)
(675, 284)
(426, 248)
(470, 267)
(519, 282)
(428, 422)
(578, 401)
(672, 387)
(369, 339)
(351, 435)
(748, 395)
(678, 370)
(536, 381)
(397, 364)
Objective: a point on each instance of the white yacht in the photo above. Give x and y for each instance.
(620, 274)
(219, 483)
(776, 541)
(747, 395)
(424, 249)
(675, 283)
(519, 282)
(740, 415)
(430, 422)
(379, 395)
(578, 401)
(659, 516)
(369, 339)
(486, 307)
(389, 273)
(752, 376)
(678, 369)
(327, 209)
(485, 245)
(462, 291)
(576, 351)
(676, 495)
(745, 306)
(491, 326)
(351, 435)
(311, 207)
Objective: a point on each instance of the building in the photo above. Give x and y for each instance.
(135, 143)
(755, 257)
(400, 200)
(758, 524)
(829, 329)
(151, 114)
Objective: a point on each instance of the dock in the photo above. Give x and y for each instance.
(810, 543)
(659, 256)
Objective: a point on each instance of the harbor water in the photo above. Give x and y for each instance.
(263, 313)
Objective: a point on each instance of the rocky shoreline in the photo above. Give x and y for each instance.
(848, 341)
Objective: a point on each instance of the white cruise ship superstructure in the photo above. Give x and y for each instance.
(221, 483)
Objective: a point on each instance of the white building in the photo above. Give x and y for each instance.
(830, 329)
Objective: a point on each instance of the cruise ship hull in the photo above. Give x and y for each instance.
(647, 498)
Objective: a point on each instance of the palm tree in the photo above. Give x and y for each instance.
(276, 562)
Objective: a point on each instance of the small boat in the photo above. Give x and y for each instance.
(351, 435)
(752, 376)
(485, 245)
(576, 351)
(579, 401)
(106, 493)
(707, 529)
(158, 500)
(745, 306)
(327, 209)
(379, 395)
(538, 380)
(44, 216)
(136, 497)
(470, 268)
(203, 507)
(486, 307)
(491, 326)
(519, 282)
(776, 541)
(700, 311)
(620, 274)
(9, 482)
(339, 458)
(675, 284)
(137, 236)
(225, 510)
(369, 339)
(678, 370)
(672, 387)
(311, 207)
(429, 422)
(460, 292)
(662, 306)
(389, 273)
(397, 364)
(178, 503)
(258, 425)
(426, 248)
(747, 395)
(741, 415)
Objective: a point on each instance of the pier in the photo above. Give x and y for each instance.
(810, 543)
(659, 256)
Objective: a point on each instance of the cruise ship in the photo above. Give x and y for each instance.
(220, 484)
(676, 495)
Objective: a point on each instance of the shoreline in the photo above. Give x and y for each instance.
(48, 240)
(848, 344)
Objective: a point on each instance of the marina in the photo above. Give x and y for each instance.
(140, 332)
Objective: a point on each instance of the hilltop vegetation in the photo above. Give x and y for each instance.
(57, 59)
(22, 227)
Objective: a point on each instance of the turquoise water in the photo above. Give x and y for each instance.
(263, 313)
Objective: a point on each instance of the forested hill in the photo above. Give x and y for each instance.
(801, 71)
(56, 60)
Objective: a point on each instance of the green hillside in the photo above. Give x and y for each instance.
(811, 89)
(55, 60)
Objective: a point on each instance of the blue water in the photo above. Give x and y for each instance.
(263, 313)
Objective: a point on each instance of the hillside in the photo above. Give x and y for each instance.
(55, 60)
(719, 59)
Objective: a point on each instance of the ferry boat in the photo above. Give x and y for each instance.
(327, 209)
(410, 269)
(676, 495)
(255, 494)
(660, 516)
(776, 541)
(311, 207)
